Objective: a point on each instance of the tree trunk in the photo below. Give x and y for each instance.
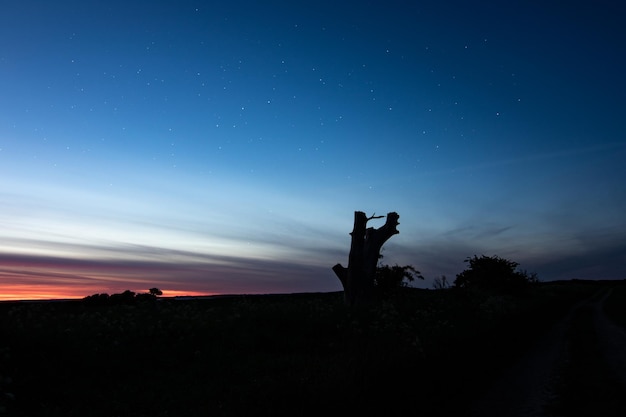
(358, 278)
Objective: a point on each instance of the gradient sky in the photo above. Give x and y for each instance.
(208, 147)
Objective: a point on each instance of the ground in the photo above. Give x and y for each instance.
(544, 382)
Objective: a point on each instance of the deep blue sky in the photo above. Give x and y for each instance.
(223, 147)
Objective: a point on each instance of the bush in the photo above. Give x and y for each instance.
(494, 273)
(388, 278)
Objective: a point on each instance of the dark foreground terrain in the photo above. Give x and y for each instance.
(555, 350)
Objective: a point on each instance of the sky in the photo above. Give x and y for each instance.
(207, 147)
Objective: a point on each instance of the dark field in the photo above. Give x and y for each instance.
(422, 352)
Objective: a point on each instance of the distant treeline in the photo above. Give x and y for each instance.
(126, 297)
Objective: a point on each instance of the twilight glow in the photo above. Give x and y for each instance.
(223, 147)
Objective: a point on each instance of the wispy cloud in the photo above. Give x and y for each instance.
(80, 277)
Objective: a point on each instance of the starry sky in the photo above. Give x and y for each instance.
(207, 147)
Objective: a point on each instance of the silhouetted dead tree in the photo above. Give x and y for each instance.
(358, 278)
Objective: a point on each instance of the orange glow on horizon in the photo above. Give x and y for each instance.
(27, 293)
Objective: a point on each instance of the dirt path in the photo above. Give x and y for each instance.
(529, 385)
(612, 339)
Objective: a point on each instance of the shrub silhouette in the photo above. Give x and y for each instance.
(494, 273)
(145, 297)
(97, 299)
(388, 278)
(127, 297)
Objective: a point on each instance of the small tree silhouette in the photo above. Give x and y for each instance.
(155, 291)
(441, 283)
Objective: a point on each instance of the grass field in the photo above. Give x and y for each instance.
(423, 352)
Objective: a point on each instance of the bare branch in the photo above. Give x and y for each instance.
(341, 272)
